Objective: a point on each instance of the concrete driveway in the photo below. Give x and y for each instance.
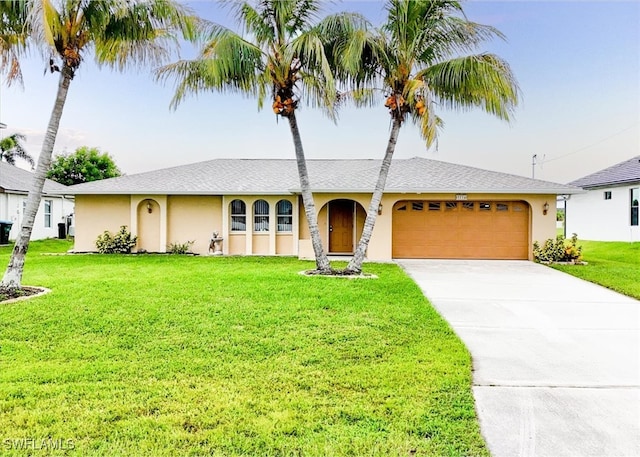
(556, 359)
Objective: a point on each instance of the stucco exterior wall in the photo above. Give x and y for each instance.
(593, 218)
(259, 242)
(542, 226)
(193, 218)
(96, 213)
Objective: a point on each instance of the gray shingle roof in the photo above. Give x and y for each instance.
(14, 179)
(626, 172)
(280, 176)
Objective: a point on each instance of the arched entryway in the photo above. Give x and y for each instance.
(342, 220)
(149, 226)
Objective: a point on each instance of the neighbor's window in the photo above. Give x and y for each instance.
(48, 204)
(635, 195)
(238, 216)
(260, 216)
(284, 208)
(607, 195)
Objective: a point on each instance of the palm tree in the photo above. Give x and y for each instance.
(284, 56)
(118, 34)
(11, 148)
(13, 37)
(417, 59)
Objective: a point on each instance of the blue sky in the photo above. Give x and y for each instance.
(577, 63)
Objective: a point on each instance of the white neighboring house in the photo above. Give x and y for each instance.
(56, 206)
(608, 210)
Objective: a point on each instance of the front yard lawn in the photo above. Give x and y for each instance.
(240, 356)
(615, 265)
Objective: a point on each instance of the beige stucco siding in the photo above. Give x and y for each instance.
(96, 213)
(542, 226)
(193, 218)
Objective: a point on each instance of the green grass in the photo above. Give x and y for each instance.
(176, 355)
(615, 265)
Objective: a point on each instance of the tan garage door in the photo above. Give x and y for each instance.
(460, 230)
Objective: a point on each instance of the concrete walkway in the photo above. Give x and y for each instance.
(556, 359)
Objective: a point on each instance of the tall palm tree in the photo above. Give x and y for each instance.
(284, 56)
(118, 34)
(11, 148)
(419, 59)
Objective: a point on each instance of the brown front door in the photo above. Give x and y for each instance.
(341, 226)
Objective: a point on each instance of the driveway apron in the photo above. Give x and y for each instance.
(556, 359)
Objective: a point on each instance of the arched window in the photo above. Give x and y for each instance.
(285, 216)
(260, 216)
(238, 216)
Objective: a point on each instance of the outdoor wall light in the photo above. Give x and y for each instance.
(545, 208)
(150, 207)
(379, 209)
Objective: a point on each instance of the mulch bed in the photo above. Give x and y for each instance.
(25, 291)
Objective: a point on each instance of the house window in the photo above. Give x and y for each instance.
(48, 204)
(502, 207)
(607, 195)
(284, 208)
(238, 216)
(635, 195)
(434, 206)
(484, 206)
(260, 216)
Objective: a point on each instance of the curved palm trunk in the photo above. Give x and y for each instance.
(355, 264)
(13, 276)
(322, 261)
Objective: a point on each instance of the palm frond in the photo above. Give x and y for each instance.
(483, 80)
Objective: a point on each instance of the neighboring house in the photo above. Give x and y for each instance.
(430, 209)
(608, 211)
(55, 207)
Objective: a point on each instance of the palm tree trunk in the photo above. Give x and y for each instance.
(13, 276)
(322, 261)
(355, 264)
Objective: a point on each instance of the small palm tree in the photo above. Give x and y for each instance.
(118, 34)
(11, 148)
(285, 55)
(416, 60)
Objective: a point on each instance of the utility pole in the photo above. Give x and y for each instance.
(533, 166)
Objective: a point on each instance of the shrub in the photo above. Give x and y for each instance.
(558, 250)
(120, 243)
(180, 248)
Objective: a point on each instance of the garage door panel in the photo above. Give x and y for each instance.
(464, 230)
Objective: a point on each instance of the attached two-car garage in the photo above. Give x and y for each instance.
(460, 229)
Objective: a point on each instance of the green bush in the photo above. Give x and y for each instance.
(120, 243)
(180, 248)
(558, 250)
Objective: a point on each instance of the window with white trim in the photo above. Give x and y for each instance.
(238, 216)
(635, 196)
(260, 216)
(284, 210)
(48, 205)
